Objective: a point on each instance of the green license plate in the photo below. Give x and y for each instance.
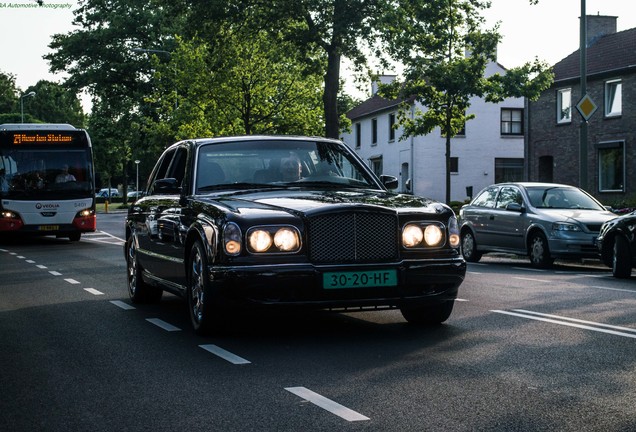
(361, 279)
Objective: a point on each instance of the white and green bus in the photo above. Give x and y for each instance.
(47, 181)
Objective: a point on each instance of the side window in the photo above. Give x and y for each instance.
(613, 98)
(564, 105)
(161, 169)
(178, 165)
(508, 195)
(486, 198)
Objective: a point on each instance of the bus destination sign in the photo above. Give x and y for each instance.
(42, 138)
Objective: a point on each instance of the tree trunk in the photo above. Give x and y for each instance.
(330, 96)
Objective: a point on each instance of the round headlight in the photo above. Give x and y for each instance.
(433, 235)
(286, 239)
(412, 236)
(232, 239)
(260, 240)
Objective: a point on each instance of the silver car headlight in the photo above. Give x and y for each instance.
(273, 239)
(565, 226)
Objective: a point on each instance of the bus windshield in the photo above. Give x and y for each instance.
(47, 184)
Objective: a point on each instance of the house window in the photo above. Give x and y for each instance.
(358, 135)
(512, 121)
(613, 98)
(374, 131)
(391, 125)
(508, 170)
(564, 106)
(454, 165)
(376, 165)
(611, 166)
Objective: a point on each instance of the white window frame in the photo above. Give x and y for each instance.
(562, 117)
(602, 148)
(511, 122)
(613, 98)
(374, 131)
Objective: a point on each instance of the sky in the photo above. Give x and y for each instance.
(548, 31)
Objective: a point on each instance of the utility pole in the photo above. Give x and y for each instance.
(583, 134)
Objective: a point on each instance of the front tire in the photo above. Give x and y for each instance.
(138, 290)
(621, 258)
(205, 315)
(539, 251)
(469, 247)
(428, 315)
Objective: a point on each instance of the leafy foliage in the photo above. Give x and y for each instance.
(445, 52)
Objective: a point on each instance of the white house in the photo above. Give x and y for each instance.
(491, 150)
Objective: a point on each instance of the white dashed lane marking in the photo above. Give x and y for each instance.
(327, 404)
(162, 324)
(71, 281)
(122, 305)
(93, 291)
(226, 355)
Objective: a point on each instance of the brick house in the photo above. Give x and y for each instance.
(490, 149)
(554, 123)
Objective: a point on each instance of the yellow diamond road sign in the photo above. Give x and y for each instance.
(586, 107)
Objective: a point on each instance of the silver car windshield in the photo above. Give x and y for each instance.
(561, 198)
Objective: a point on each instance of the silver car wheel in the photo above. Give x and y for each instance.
(197, 291)
(132, 268)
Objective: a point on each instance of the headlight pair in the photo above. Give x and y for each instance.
(262, 239)
(430, 234)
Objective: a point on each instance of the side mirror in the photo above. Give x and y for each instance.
(389, 182)
(167, 186)
(514, 207)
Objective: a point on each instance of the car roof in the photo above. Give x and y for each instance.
(213, 140)
(533, 184)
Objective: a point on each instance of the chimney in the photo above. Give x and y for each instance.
(599, 26)
(380, 79)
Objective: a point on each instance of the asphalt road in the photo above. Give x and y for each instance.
(524, 350)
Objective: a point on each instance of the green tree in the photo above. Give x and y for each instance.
(323, 31)
(445, 52)
(245, 83)
(98, 59)
(8, 93)
(53, 103)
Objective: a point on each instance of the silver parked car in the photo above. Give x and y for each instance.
(541, 220)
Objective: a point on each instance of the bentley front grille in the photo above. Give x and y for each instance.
(353, 237)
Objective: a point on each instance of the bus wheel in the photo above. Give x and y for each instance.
(75, 236)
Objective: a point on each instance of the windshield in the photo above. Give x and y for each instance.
(33, 173)
(272, 163)
(561, 198)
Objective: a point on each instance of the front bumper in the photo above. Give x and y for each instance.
(581, 246)
(301, 285)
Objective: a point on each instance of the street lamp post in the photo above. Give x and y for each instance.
(22, 103)
(137, 189)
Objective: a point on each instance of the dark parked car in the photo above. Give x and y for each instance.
(292, 222)
(541, 220)
(617, 244)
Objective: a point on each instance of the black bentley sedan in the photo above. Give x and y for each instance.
(297, 222)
